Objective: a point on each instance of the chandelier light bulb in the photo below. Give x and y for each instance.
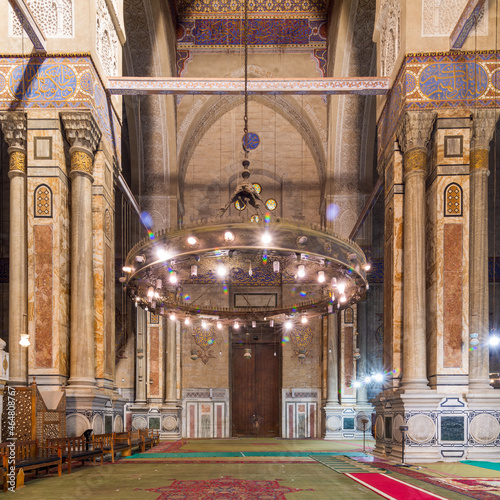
(158, 284)
(321, 276)
(254, 324)
(368, 379)
(266, 238)
(378, 377)
(146, 308)
(172, 316)
(127, 269)
(203, 323)
(187, 320)
(343, 299)
(271, 323)
(221, 270)
(341, 288)
(367, 266)
(228, 236)
(236, 325)
(162, 253)
(357, 384)
(173, 277)
(194, 270)
(24, 340)
(494, 340)
(276, 266)
(151, 292)
(288, 325)
(250, 272)
(157, 295)
(192, 240)
(219, 325)
(301, 271)
(303, 319)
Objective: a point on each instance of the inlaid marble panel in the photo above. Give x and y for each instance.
(43, 295)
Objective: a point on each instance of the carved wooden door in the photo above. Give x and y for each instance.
(256, 383)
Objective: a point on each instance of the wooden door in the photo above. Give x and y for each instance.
(256, 383)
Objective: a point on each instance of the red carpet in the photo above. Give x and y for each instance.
(224, 488)
(391, 488)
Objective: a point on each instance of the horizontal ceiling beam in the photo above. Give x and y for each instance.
(29, 25)
(465, 23)
(319, 86)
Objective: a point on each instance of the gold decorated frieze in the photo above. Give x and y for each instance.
(479, 158)
(17, 161)
(415, 160)
(82, 162)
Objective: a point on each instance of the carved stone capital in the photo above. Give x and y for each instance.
(14, 128)
(81, 130)
(483, 126)
(414, 130)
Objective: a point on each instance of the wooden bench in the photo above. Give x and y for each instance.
(113, 443)
(150, 436)
(74, 448)
(28, 457)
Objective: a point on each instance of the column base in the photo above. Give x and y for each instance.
(441, 426)
(165, 418)
(343, 422)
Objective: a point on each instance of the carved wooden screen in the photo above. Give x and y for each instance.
(50, 423)
(20, 400)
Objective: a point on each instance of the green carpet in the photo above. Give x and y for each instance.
(343, 464)
(149, 456)
(483, 465)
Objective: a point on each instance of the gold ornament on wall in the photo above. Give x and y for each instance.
(82, 162)
(17, 161)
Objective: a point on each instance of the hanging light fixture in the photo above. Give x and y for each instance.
(219, 251)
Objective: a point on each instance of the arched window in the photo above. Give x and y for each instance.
(43, 201)
(453, 197)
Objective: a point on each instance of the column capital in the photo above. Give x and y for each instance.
(414, 130)
(82, 131)
(14, 128)
(483, 126)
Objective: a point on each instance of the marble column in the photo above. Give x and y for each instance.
(361, 365)
(333, 359)
(140, 384)
(83, 135)
(413, 134)
(483, 127)
(14, 127)
(171, 365)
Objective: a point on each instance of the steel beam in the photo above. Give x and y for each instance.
(319, 86)
(465, 23)
(29, 25)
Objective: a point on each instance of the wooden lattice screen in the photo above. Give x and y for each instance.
(32, 418)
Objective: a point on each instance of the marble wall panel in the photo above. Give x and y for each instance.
(109, 311)
(154, 361)
(99, 280)
(453, 285)
(43, 312)
(347, 368)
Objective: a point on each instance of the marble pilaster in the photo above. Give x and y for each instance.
(414, 134)
(14, 128)
(83, 135)
(140, 384)
(171, 408)
(483, 126)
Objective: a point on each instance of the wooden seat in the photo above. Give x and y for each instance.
(74, 448)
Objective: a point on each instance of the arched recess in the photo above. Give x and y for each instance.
(215, 107)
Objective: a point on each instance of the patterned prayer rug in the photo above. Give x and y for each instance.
(475, 484)
(168, 446)
(224, 488)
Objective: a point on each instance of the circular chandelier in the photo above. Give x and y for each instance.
(196, 271)
(237, 272)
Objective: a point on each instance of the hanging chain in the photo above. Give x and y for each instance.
(245, 117)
